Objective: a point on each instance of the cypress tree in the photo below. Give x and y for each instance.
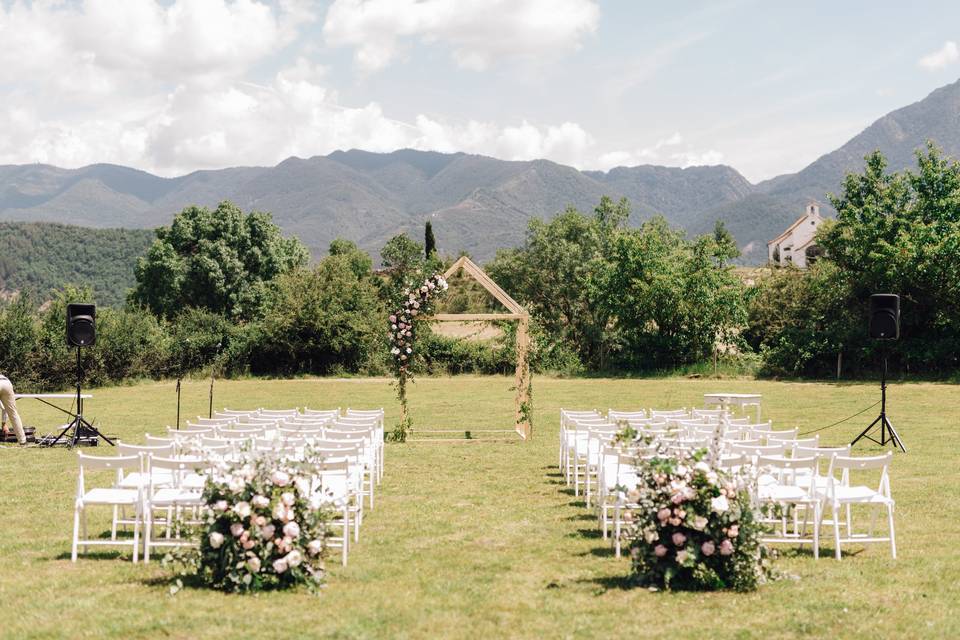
(429, 242)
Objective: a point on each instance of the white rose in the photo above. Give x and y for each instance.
(303, 485)
(253, 564)
(314, 547)
(288, 498)
(261, 502)
(702, 466)
(242, 509)
(236, 484)
(719, 504)
(279, 511)
(279, 566)
(294, 558)
(267, 531)
(650, 536)
(216, 539)
(280, 478)
(220, 506)
(291, 530)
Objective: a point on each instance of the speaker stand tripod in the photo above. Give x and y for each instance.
(887, 433)
(82, 430)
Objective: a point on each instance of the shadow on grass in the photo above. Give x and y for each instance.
(582, 517)
(598, 552)
(585, 533)
(610, 583)
(95, 555)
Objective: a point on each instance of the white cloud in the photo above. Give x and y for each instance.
(479, 31)
(664, 152)
(946, 55)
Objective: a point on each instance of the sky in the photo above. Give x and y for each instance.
(175, 86)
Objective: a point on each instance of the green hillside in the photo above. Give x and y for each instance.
(39, 256)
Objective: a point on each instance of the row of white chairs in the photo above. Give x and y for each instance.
(168, 474)
(794, 473)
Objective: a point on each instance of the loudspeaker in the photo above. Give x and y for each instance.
(885, 316)
(81, 324)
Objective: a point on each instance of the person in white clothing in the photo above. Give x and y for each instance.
(9, 401)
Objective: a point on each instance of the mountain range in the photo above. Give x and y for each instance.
(477, 204)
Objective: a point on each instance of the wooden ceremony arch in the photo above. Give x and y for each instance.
(523, 408)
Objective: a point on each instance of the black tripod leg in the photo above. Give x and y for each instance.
(863, 434)
(64, 432)
(894, 436)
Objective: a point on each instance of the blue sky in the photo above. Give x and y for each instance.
(181, 85)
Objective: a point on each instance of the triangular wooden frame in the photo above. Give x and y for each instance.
(516, 312)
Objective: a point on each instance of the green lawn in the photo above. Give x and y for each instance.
(481, 539)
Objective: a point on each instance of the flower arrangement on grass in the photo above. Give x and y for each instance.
(262, 527)
(417, 304)
(692, 526)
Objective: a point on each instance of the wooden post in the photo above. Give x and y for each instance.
(523, 408)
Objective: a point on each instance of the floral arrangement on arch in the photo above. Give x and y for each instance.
(417, 303)
(262, 527)
(693, 526)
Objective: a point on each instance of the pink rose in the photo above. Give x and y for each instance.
(659, 551)
(678, 539)
(393, 318)
(708, 548)
(726, 548)
(249, 544)
(677, 498)
(287, 498)
(280, 478)
(674, 522)
(236, 529)
(266, 532)
(280, 565)
(733, 531)
(291, 530)
(663, 514)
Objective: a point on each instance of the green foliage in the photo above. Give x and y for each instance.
(637, 298)
(360, 262)
(552, 273)
(894, 233)
(671, 301)
(222, 260)
(319, 320)
(41, 257)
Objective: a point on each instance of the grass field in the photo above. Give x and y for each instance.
(481, 539)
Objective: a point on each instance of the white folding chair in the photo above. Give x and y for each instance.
(786, 493)
(174, 499)
(333, 476)
(841, 492)
(112, 497)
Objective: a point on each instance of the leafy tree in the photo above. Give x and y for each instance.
(725, 245)
(429, 242)
(670, 300)
(220, 260)
(551, 274)
(320, 320)
(403, 260)
(360, 262)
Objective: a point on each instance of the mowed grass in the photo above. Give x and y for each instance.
(482, 539)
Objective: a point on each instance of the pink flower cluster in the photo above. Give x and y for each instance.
(417, 302)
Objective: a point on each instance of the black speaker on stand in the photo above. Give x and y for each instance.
(884, 325)
(81, 332)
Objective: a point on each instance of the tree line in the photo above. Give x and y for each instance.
(223, 288)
